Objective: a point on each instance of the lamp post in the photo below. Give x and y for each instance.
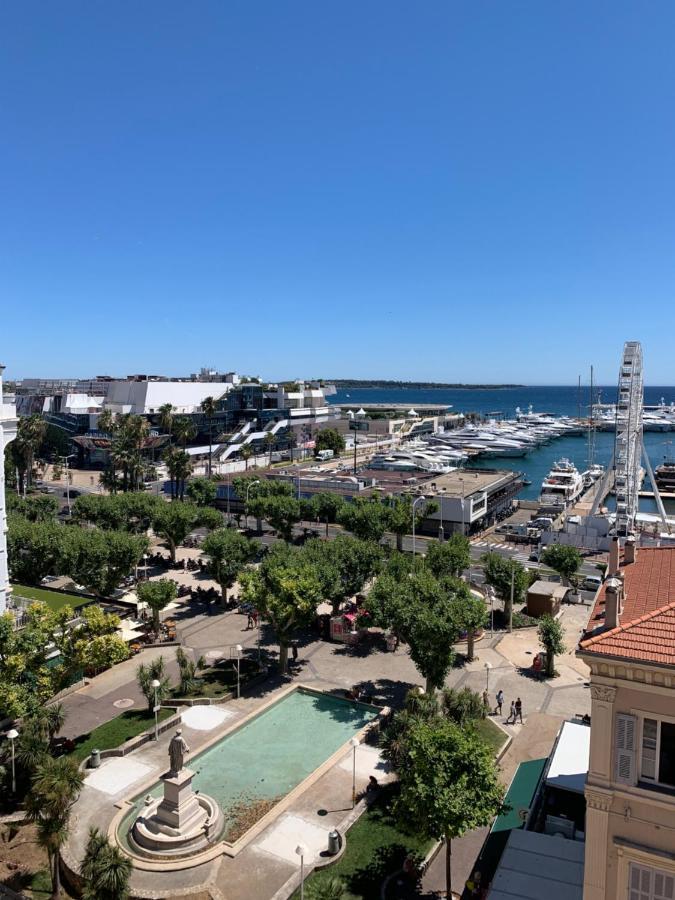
(487, 668)
(248, 488)
(491, 592)
(145, 565)
(463, 521)
(12, 735)
(155, 684)
(354, 743)
(415, 502)
(238, 648)
(301, 851)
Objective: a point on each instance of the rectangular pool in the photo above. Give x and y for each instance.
(256, 765)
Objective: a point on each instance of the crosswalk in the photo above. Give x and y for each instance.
(487, 546)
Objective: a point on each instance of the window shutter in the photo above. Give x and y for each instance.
(624, 748)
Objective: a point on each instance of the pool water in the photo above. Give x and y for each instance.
(272, 753)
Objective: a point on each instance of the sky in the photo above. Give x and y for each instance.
(449, 191)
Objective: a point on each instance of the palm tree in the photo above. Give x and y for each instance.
(56, 787)
(270, 440)
(166, 417)
(246, 453)
(179, 467)
(30, 434)
(210, 408)
(184, 430)
(105, 869)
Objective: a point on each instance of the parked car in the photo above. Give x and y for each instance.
(591, 583)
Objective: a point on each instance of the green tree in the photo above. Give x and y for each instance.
(34, 549)
(187, 671)
(201, 491)
(166, 411)
(286, 590)
(183, 430)
(228, 552)
(400, 516)
(326, 507)
(566, 561)
(29, 436)
(179, 467)
(552, 639)
(55, 788)
(449, 783)
(270, 441)
(210, 408)
(470, 615)
(463, 706)
(450, 557)
(35, 508)
(345, 564)
(419, 610)
(502, 574)
(100, 560)
(105, 869)
(366, 519)
(146, 674)
(282, 513)
(329, 439)
(173, 522)
(157, 594)
(102, 652)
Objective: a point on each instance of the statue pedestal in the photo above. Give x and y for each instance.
(180, 807)
(178, 824)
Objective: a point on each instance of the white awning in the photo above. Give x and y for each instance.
(569, 760)
(537, 865)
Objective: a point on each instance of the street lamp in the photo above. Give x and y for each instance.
(155, 684)
(415, 502)
(491, 593)
(238, 648)
(66, 458)
(145, 565)
(12, 735)
(487, 666)
(301, 851)
(354, 743)
(248, 488)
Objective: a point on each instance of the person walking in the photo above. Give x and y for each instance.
(512, 714)
(500, 702)
(518, 714)
(249, 621)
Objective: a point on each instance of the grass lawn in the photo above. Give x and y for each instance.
(376, 846)
(492, 734)
(117, 731)
(53, 599)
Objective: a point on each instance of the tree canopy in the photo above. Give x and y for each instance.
(449, 557)
(329, 439)
(500, 573)
(286, 590)
(228, 552)
(564, 560)
(201, 491)
(157, 594)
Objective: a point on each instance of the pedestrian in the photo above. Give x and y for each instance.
(254, 617)
(486, 701)
(512, 713)
(294, 651)
(249, 620)
(518, 711)
(500, 702)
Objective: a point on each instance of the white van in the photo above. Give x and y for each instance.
(325, 454)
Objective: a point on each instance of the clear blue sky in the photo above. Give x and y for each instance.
(451, 191)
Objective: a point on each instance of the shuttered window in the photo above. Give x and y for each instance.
(624, 748)
(646, 883)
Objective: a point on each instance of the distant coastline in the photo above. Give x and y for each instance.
(355, 383)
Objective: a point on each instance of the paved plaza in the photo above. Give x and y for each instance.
(265, 865)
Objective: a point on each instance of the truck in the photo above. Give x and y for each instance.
(325, 454)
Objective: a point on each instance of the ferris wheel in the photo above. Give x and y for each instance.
(629, 447)
(628, 440)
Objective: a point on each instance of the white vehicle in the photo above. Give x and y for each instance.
(591, 583)
(325, 454)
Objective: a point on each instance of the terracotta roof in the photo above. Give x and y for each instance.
(647, 629)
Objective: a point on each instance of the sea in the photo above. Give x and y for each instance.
(556, 401)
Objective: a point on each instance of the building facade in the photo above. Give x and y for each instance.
(630, 790)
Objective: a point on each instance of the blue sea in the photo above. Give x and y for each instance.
(558, 401)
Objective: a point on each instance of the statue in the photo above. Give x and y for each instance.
(178, 749)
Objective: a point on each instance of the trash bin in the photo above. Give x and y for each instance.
(334, 842)
(95, 759)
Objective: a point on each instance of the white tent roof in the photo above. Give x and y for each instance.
(361, 412)
(413, 412)
(569, 760)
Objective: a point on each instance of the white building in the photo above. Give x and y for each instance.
(147, 397)
(7, 434)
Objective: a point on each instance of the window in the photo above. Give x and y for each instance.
(658, 752)
(645, 883)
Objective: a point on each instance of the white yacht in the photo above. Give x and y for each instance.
(562, 486)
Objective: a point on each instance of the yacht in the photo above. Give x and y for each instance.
(562, 486)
